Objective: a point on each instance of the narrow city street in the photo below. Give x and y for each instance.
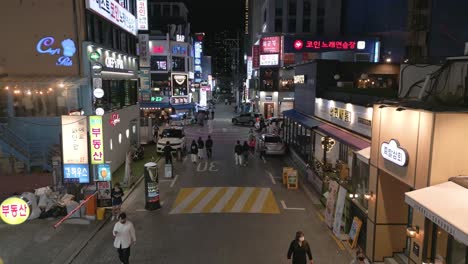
(216, 212)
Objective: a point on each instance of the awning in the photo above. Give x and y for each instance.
(445, 205)
(344, 137)
(363, 155)
(183, 106)
(303, 119)
(155, 105)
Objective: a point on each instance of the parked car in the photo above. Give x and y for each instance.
(176, 137)
(272, 144)
(246, 118)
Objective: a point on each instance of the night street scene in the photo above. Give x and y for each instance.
(234, 131)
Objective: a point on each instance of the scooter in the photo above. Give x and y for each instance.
(138, 153)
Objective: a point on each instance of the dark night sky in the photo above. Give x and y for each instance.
(214, 15)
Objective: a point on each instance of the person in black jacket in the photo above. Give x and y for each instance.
(194, 151)
(201, 146)
(209, 147)
(238, 153)
(167, 150)
(298, 249)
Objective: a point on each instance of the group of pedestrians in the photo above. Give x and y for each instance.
(197, 149)
(241, 153)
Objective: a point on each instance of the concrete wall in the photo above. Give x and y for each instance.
(34, 20)
(117, 154)
(304, 96)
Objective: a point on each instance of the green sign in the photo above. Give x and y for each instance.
(156, 99)
(94, 56)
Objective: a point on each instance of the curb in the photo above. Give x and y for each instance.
(100, 225)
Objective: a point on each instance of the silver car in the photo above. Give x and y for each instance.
(272, 144)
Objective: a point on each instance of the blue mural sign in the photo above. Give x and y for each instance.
(68, 49)
(103, 172)
(76, 173)
(179, 50)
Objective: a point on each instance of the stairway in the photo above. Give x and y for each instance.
(14, 145)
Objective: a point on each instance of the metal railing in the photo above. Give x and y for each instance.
(17, 143)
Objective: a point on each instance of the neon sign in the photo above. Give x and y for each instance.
(44, 46)
(15, 211)
(270, 45)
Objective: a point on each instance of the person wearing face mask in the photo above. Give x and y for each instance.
(360, 258)
(124, 234)
(299, 250)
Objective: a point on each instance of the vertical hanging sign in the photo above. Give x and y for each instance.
(142, 14)
(143, 43)
(96, 143)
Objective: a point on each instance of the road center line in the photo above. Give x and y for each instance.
(173, 181)
(271, 177)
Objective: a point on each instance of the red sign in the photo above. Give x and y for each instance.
(289, 58)
(115, 119)
(158, 49)
(270, 45)
(256, 57)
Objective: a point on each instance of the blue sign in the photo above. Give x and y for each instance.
(103, 173)
(44, 46)
(76, 173)
(179, 50)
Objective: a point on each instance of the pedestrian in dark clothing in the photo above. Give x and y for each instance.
(201, 148)
(212, 114)
(238, 153)
(116, 195)
(167, 150)
(194, 151)
(245, 153)
(209, 147)
(299, 250)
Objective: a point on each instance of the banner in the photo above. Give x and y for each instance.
(143, 44)
(74, 140)
(340, 202)
(331, 199)
(96, 141)
(142, 14)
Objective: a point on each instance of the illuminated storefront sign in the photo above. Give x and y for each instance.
(249, 67)
(180, 38)
(340, 113)
(94, 56)
(109, 60)
(179, 50)
(74, 140)
(179, 100)
(392, 152)
(114, 63)
(158, 50)
(300, 44)
(142, 14)
(115, 13)
(299, 79)
(143, 44)
(197, 61)
(15, 211)
(269, 59)
(103, 173)
(96, 140)
(179, 84)
(270, 45)
(45, 46)
(76, 173)
(255, 56)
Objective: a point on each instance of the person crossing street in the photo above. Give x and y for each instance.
(238, 153)
(194, 151)
(201, 148)
(209, 147)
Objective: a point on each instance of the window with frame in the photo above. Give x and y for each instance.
(343, 153)
(307, 10)
(292, 6)
(306, 25)
(292, 25)
(278, 25)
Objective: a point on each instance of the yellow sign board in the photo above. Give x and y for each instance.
(96, 140)
(15, 211)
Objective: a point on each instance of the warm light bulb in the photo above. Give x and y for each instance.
(50, 89)
(40, 92)
(7, 88)
(61, 85)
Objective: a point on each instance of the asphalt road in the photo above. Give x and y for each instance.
(216, 212)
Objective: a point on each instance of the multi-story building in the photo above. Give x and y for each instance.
(69, 58)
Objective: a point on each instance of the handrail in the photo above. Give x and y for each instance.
(14, 141)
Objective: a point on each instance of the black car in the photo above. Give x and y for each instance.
(246, 118)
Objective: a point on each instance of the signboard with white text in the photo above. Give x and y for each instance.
(74, 140)
(115, 13)
(269, 59)
(142, 14)
(392, 152)
(143, 44)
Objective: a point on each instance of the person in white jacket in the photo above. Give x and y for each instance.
(124, 234)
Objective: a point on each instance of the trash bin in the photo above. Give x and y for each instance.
(100, 212)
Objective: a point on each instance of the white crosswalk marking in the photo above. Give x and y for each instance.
(205, 200)
(242, 200)
(221, 203)
(187, 201)
(258, 205)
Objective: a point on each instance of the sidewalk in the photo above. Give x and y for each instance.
(38, 242)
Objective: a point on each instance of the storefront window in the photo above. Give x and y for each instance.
(117, 94)
(359, 183)
(458, 253)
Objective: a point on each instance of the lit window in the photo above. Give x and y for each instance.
(120, 138)
(134, 129)
(127, 133)
(110, 143)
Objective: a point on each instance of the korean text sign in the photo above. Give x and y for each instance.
(15, 211)
(76, 173)
(74, 140)
(270, 45)
(115, 13)
(96, 141)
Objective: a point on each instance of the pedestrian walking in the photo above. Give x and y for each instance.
(252, 144)
(116, 195)
(212, 114)
(299, 250)
(201, 148)
(360, 258)
(209, 147)
(238, 153)
(155, 131)
(167, 150)
(194, 151)
(124, 237)
(245, 153)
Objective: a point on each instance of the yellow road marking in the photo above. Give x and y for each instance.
(215, 200)
(320, 217)
(195, 201)
(338, 242)
(183, 194)
(227, 208)
(270, 206)
(249, 203)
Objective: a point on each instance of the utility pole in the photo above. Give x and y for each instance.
(233, 45)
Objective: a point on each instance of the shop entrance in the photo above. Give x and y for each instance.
(442, 247)
(268, 110)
